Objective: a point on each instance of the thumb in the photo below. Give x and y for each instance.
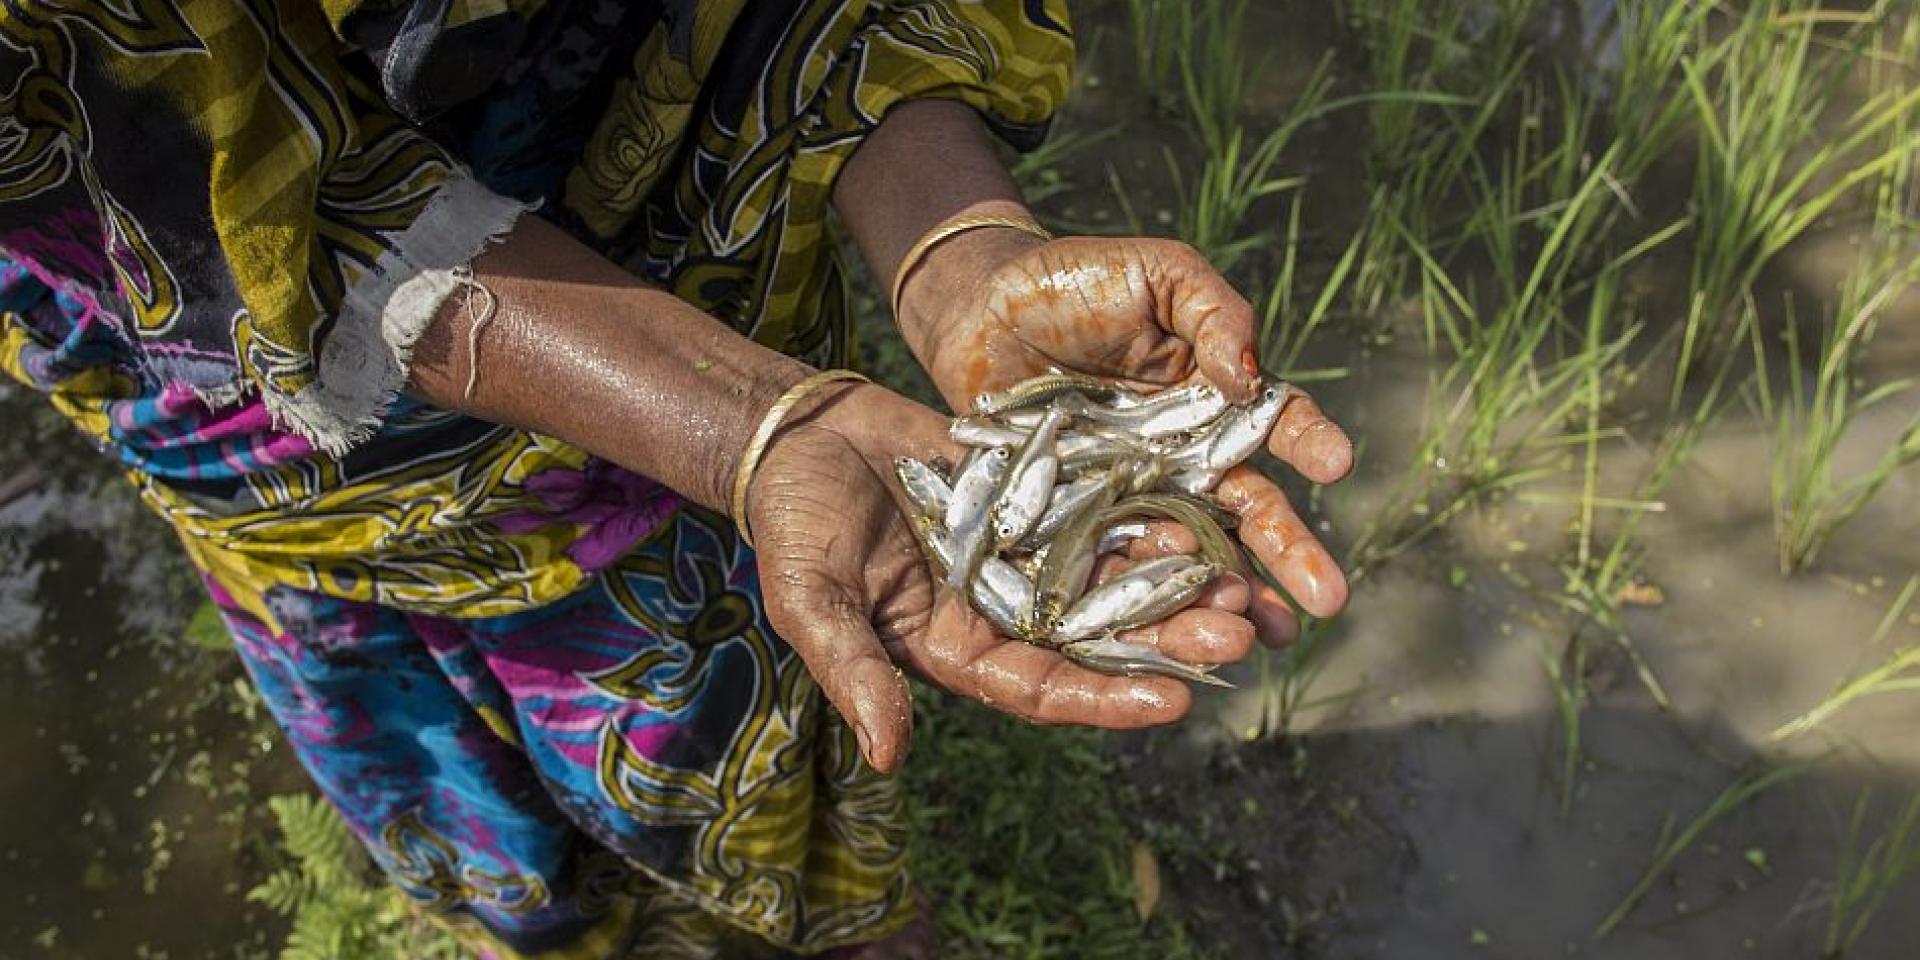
(1204, 310)
(830, 631)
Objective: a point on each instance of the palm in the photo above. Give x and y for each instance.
(846, 584)
(1152, 312)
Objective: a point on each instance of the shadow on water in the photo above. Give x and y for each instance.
(132, 763)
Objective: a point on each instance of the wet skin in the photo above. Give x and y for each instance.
(581, 350)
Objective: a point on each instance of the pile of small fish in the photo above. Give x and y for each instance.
(1062, 469)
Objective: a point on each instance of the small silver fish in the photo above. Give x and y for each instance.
(1159, 569)
(1011, 593)
(1168, 412)
(982, 432)
(1099, 608)
(973, 490)
(1121, 534)
(1069, 561)
(1111, 656)
(969, 514)
(1039, 390)
(926, 490)
(1030, 484)
(998, 592)
(1065, 500)
(1243, 435)
(1171, 592)
(1198, 516)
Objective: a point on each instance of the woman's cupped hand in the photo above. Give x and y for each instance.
(1151, 313)
(846, 583)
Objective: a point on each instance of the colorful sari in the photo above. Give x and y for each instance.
(540, 688)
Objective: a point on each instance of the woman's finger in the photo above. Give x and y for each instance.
(831, 632)
(1276, 535)
(1203, 309)
(1309, 441)
(1273, 618)
(963, 655)
(1164, 537)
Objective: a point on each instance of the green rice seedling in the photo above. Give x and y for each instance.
(1757, 186)
(1040, 172)
(1810, 500)
(1595, 576)
(1671, 845)
(1900, 672)
(1812, 420)
(1213, 209)
(1159, 30)
(1410, 45)
(1864, 879)
(1647, 102)
(1214, 71)
(1497, 420)
(1284, 331)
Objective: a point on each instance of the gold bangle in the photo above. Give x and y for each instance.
(948, 229)
(757, 447)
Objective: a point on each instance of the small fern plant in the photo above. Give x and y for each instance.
(340, 908)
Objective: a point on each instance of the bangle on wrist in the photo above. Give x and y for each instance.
(948, 229)
(763, 435)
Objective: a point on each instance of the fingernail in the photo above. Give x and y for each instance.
(1250, 363)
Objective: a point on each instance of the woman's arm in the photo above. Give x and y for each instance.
(579, 349)
(929, 161)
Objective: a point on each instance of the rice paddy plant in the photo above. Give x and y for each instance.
(1810, 500)
(1214, 207)
(1040, 170)
(1671, 845)
(1159, 30)
(1596, 576)
(1284, 330)
(1865, 878)
(1900, 672)
(1410, 45)
(1765, 171)
(1500, 409)
(1813, 419)
(1214, 71)
(1647, 100)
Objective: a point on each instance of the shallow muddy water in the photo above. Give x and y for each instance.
(128, 772)
(1415, 809)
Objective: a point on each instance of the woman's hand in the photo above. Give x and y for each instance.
(990, 307)
(845, 582)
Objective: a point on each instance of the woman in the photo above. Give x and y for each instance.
(458, 474)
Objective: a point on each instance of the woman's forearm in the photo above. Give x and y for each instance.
(928, 160)
(580, 349)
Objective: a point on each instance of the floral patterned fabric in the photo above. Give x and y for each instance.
(540, 687)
